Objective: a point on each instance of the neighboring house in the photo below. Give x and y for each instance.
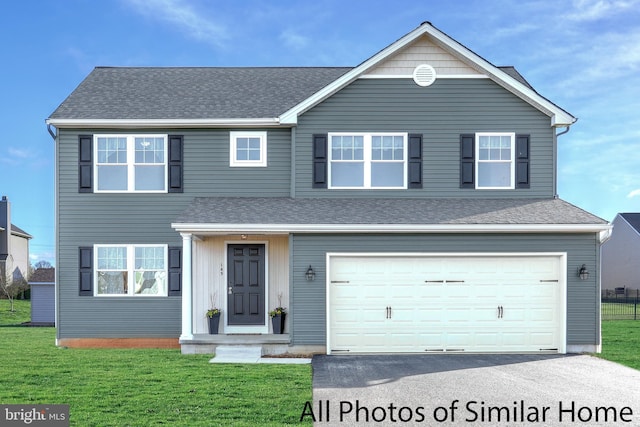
(404, 205)
(43, 296)
(621, 255)
(14, 246)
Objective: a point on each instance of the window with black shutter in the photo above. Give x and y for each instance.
(320, 161)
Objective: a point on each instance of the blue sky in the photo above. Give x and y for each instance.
(584, 55)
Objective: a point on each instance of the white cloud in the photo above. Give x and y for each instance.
(634, 193)
(185, 17)
(591, 10)
(22, 154)
(293, 39)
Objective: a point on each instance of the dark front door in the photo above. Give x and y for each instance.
(246, 285)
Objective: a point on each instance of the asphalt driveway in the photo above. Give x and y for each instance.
(473, 390)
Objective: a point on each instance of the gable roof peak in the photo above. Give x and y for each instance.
(507, 78)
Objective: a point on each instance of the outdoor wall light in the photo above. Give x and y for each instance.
(310, 274)
(583, 272)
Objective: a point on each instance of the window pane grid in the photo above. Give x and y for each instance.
(112, 258)
(248, 149)
(387, 148)
(131, 163)
(347, 148)
(367, 161)
(149, 150)
(146, 264)
(112, 150)
(495, 161)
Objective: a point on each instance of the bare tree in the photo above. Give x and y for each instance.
(42, 264)
(12, 282)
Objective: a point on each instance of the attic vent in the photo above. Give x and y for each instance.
(424, 75)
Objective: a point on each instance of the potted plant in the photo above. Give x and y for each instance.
(213, 315)
(278, 315)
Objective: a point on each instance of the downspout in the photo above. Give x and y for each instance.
(555, 159)
(52, 133)
(292, 184)
(56, 279)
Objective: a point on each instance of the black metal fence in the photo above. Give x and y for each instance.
(620, 304)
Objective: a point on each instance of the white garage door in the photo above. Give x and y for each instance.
(421, 303)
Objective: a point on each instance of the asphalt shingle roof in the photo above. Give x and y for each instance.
(43, 275)
(280, 210)
(193, 92)
(633, 219)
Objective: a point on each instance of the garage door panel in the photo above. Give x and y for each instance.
(458, 308)
(487, 339)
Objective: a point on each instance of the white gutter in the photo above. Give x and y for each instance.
(198, 228)
(154, 123)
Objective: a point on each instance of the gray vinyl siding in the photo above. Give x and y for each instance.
(440, 113)
(308, 301)
(43, 308)
(86, 219)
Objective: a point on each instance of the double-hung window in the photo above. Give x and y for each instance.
(131, 163)
(368, 160)
(248, 149)
(495, 162)
(131, 270)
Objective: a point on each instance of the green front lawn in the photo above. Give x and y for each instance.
(621, 342)
(143, 387)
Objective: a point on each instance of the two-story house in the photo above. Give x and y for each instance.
(407, 204)
(14, 247)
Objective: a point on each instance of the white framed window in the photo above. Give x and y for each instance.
(495, 160)
(368, 160)
(130, 270)
(248, 149)
(130, 163)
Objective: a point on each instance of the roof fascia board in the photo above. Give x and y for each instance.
(154, 123)
(559, 117)
(291, 116)
(388, 228)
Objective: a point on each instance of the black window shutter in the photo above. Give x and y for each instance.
(522, 161)
(414, 167)
(175, 271)
(320, 159)
(174, 179)
(85, 163)
(467, 160)
(85, 262)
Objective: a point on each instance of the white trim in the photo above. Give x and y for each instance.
(248, 329)
(155, 123)
(233, 141)
(131, 161)
(409, 76)
(563, 282)
(559, 117)
(187, 287)
(130, 269)
(200, 228)
(512, 162)
(367, 160)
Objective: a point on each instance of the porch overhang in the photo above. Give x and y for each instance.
(281, 215)
(209, 229)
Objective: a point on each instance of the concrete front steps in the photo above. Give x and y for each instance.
(250, 354)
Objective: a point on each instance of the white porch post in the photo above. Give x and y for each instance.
(187, 291)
